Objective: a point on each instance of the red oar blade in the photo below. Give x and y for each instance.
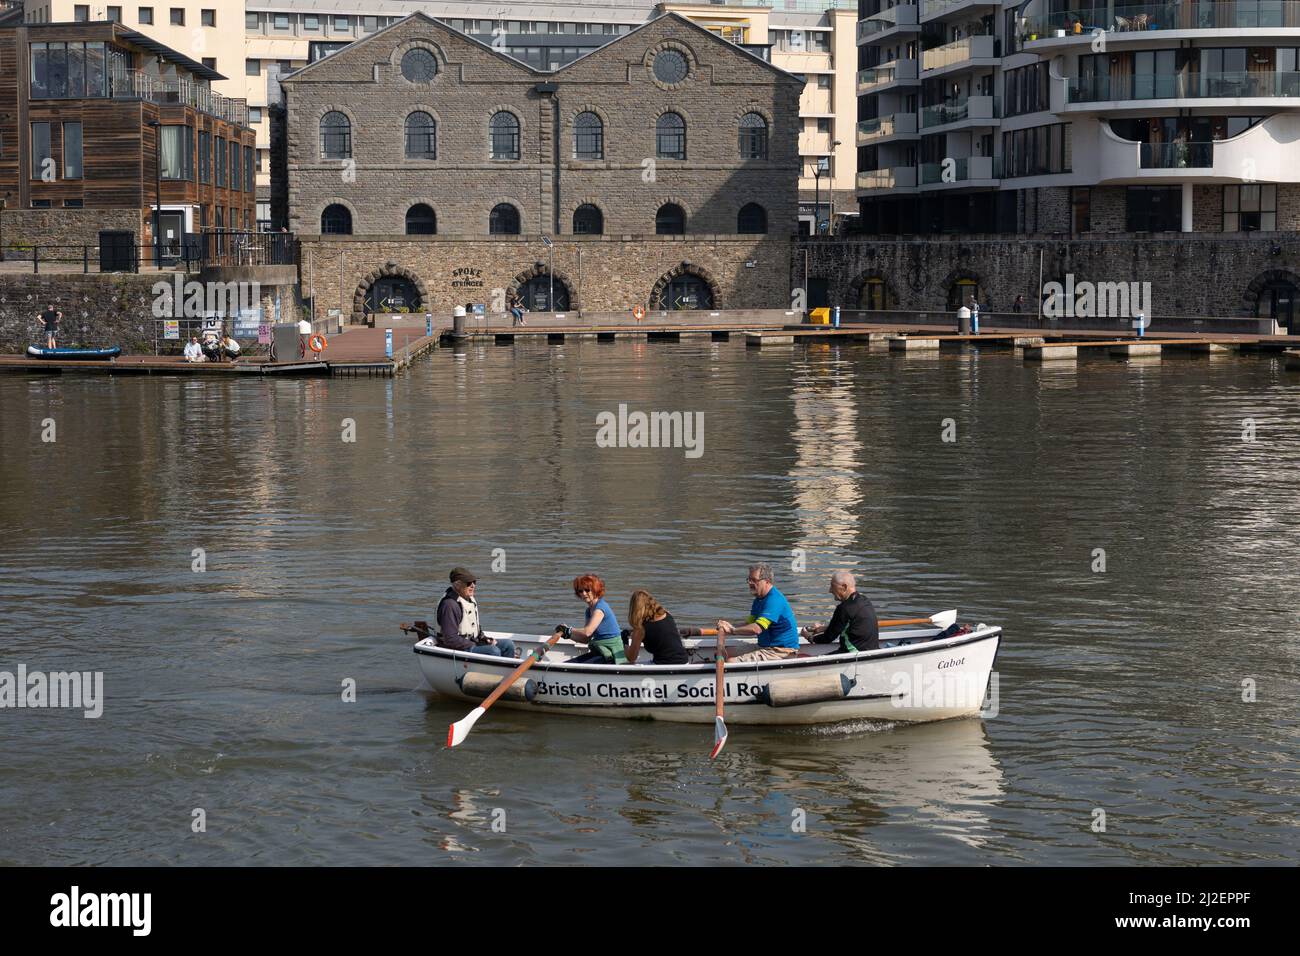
(719, 737)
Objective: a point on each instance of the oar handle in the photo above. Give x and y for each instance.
(905, 621)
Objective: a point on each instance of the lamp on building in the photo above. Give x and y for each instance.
(820, 167)
(157, 194)
(550, 270)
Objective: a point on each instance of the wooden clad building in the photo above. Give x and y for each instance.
(98, 123)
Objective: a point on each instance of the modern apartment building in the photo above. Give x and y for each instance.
(1051, 117)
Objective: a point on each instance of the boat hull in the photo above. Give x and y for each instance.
(37, 352)
(931, 680)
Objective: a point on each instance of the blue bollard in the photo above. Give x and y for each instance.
(835, 316)
(428, 324)
(388, 343)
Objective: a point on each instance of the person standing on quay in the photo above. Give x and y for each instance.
(1019, 305)
(51, 317)
(770, 617)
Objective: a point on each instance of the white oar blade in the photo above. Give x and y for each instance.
(719, 736)
(944, 619)
(458, 731)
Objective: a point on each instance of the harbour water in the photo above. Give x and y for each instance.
(1132, 526)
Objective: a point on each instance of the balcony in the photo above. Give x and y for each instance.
(965, 50)
(877, 130)
(1120, 20)
(973, 110)
(900, 19)
(1182, 86)
(1253, 156)
(880, 180)
(886, 75)
(967, 171)
(182, 91)
(936, 9)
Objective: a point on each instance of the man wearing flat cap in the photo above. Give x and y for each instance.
(458, 620)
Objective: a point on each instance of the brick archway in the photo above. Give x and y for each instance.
(539, 269)
(370, 278)
(858, 285)
(1261, 282)
(963, 276)
(685, 269)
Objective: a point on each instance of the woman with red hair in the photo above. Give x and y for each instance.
(601, 631)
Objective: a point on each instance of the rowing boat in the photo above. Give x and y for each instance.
(914, 676)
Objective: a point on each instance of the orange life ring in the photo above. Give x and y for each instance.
(638, 312)
(318, 343)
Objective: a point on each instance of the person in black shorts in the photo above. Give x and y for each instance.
(854, 622)
(51, 317)
(654, 629)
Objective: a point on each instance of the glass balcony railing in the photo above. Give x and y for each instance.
(1177, 155)
(894, 124)
(1127, 18)
(934, 8)
(903, 15)
(971, 107)
(967, 48)
(900, 177)
(1177, 86)
(134, 84)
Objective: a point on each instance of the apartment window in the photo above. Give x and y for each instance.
(1251, 208)
(588, 137)
(249, 183)
(251, 21)
(1037, 151)
(1026, 90)
(40, 204)
(311, 22)
(588, 220)
(1081, 209)
(819, 42)
(1153, 208)
(145, 16)
(72, 204)
(178, 16)
(42, 157)
(208, 18)
(670, 137)
(234, 166)
(219, 161)
(335, 136)
(823, 81)
(71, 150)
(177, 152)
(823, 125)
(252, 67)
(421, 220)
(670, 220)
(343, 24)
(369, 24)
(210, 62)
(205, 157)
(281, 21)
(81, 13)
(255, 114)
(504, 220)
(115, 14)
(285, 67)
(751, 220)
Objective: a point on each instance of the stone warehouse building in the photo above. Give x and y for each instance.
(427, 169)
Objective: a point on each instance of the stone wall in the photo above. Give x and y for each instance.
(600, 273)
(97, 310)
(1194, 275)
(21, 229)
(546, 184)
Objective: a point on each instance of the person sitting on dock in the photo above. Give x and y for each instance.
(601, 632)
(770, 617)
(230, 348)
(211, 346)
(458, 620)
(654, 629)
(854, 622)
(517, 309)
(50, 317)
(194, 351)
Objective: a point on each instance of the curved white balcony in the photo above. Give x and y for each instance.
(1148, 92)
(1264, 153)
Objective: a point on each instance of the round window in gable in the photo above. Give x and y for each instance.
(419, 65)
(670, 67)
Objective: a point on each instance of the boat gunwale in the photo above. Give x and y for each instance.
(665, 670)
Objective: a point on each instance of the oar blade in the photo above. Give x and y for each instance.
(458, 731)
(944, 619)
(719, 737)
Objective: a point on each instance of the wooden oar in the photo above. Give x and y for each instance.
(458, 731)
(720, 725)
(943, 620)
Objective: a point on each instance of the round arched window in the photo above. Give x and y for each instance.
(419, 65)
(671, 66)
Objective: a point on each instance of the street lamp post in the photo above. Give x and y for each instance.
(550, 270)
(823, 165)
(157, 193)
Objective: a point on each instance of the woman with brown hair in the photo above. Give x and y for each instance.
(654, 629)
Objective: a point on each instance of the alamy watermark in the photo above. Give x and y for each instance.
(77, 690)
(194, 300)
(651, 430)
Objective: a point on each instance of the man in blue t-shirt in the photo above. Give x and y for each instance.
(770, 617)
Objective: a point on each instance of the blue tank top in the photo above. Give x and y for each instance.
(608, 624)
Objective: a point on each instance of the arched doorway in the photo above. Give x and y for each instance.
(393, 294)
(537, 292)
(686, 290)
(962, 290)
(1277, 301)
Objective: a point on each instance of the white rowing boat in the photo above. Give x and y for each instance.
(913, 677)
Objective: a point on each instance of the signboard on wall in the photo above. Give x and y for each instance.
(171, 328)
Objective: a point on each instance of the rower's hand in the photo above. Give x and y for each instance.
(725, 628)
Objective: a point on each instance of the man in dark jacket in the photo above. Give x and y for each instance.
(458, 620)
(854, 622)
